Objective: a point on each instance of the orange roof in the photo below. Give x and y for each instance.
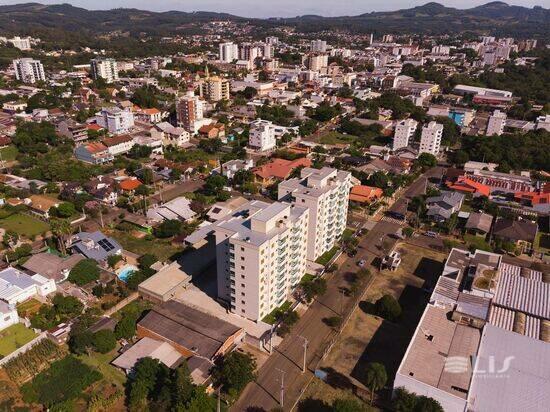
(151, 111)
(129, 184)
(94, 126)
(280, 168)
(365, 194)
(96, 147)
(463, 184)
(535, 198)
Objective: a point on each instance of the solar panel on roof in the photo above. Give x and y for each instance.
(106, 245)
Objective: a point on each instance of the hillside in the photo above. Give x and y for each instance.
(432, 18)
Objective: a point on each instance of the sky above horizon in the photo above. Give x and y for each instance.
(273, 8)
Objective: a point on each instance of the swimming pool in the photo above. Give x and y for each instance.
(125, 272)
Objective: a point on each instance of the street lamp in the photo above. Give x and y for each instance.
(282, 393)
(305, 353)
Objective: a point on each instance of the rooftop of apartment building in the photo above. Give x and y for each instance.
(254, 222)
(314, 182)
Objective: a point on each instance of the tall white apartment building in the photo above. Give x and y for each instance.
(106, 69)
(430, 142)
(115, 120)
(318, 46)
(29, 70)
(262, 135)
(228, 52)
(404, 131)
(250, 52)
(260, 254)
(325, 193)
(267, 50)
(496, 123)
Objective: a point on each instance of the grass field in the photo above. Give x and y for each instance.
(367, 338)
(102, 363)
(9, 153)
(24, 225)
(161, 248)
(336, 138)
(477, 242)
(14, 337)
(327, 256)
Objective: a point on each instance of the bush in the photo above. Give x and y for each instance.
(333, 321)
(168, 228)
(113, 260)
(84, 272)
(104, 341)
(388, 308)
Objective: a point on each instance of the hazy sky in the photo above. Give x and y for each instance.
(274, 8)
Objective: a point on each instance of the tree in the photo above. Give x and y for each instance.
(460, 157)
(113, 260)
(376, 377)
(214, 184)
(126, 327)
(84, 272)
(61, 228)
(183, 387)
(145, 97)
(143, 382)
(426, 160)
(168, 228)
(104, 341)
(147, 260)
(388, 308)
(65, 209)
(79, 343)
(314, 287)
(235, 371)
(347, 405)
(405, 401)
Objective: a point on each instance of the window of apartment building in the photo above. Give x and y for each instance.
(242, 267)
(242, 285)
(243, 302)
(243, 294)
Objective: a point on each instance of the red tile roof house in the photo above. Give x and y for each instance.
(534, 198)
(129, 185)
(365, 194)
(465, 185)
(278, 169)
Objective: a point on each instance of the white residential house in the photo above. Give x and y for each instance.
(229, 169)
(119, 144)
(325, 193)
(29, 70)
(17, 286)
(496, 123)
(404, 131)
(8, 315)
(171, 135)
(430, 141)
(115, 120)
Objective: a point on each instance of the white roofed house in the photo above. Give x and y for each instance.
(177, 209)
(17, 286)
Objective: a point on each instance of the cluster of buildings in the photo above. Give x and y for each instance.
(483, 339)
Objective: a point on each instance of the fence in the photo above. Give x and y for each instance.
(23, 348)
(121, 304)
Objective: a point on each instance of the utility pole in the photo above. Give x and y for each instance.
(282, 394)
(219, 406)
(271, 339)
(341, 302)
(305, 353)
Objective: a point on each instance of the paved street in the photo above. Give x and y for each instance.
(286, 362)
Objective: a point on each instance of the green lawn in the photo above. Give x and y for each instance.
(327, 256)
(336, 138)
(347, 233)
(9, 153)
(24, 225)
(161, 248)
(14, 337)
(102, 363)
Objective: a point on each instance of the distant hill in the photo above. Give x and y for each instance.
(432, 18)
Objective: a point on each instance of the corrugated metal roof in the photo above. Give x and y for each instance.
(503, 318)
(526, 295)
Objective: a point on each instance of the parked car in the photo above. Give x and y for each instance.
(352, 253)
(362, 263)
(429, 233)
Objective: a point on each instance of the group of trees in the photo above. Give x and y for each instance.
(312, 287)
(63, 308)
(145, 271)
(84, 272)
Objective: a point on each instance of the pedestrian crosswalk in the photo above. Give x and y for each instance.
(390, 219)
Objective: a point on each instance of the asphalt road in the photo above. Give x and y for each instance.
(285, 365)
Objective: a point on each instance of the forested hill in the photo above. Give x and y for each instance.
(432, 18)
